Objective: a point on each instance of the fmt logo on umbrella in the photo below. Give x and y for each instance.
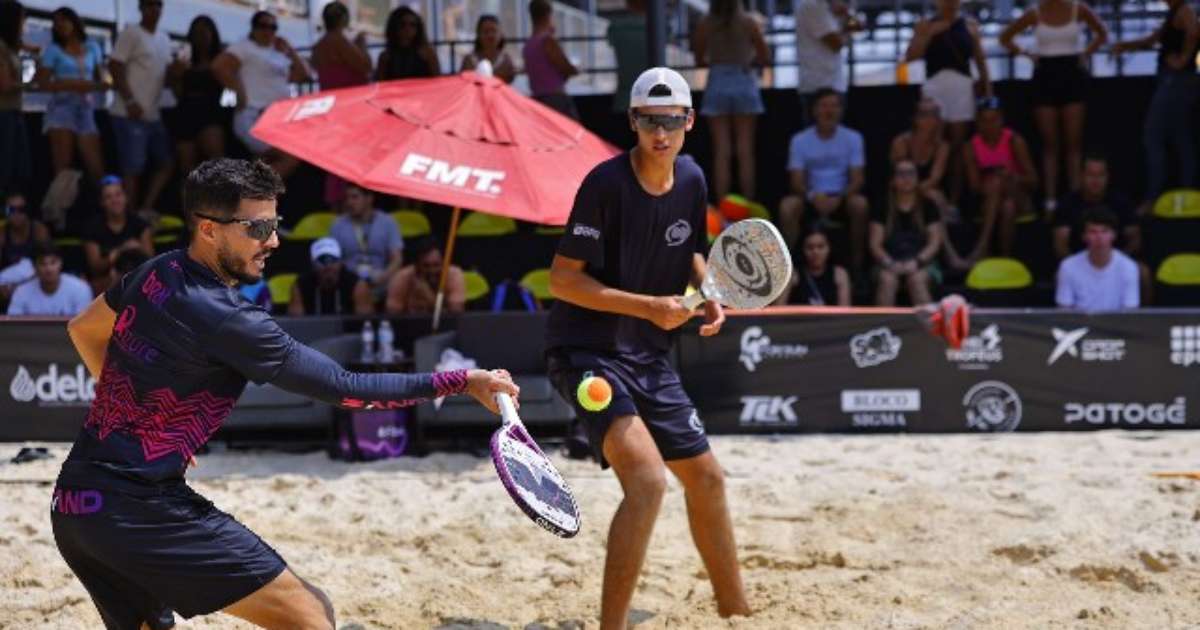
(442, 172)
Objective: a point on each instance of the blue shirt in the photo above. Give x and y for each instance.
(826, 161)
(63, 65)
(367, 246)
(633, 241)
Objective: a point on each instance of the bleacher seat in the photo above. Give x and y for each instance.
(168, 229)
(1174, 225)
(478, 224)
(1182, 203)
(412, 223)
(312, 226)
(1178, 281)
(999, 282)
(549, 230)
(477, 285)
(281, 287)
(537, 282)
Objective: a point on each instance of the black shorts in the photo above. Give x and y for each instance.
(647, 387)
(1059, 81)
(143, 553)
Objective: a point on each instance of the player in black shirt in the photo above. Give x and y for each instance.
(172, 345)
(635, 237)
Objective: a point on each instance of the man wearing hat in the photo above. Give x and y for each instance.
(329, 288)
(635, 239)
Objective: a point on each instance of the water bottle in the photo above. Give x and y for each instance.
(387, 352)
(368, 343)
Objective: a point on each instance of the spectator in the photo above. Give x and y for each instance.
(258, 69)
(339, 61)
(15, 168)
(1001, 173)
(1169, 119)
(407, 54)
(200, 127)
(730, 42)
(20, 235)
(816, 281)
(1095, 194)
(489, 45)
(1099, 278)
(413, 290)
(329, 288)
(825, 164)
(127, 261)
(627, 36)
(823, 29)
(369, 239)
(1060, 82)
(925, 145)
(55, 293)
(948, 43)
(139, 68)
(70, 70)
(906, 239)
(111, 233)
(546, 63)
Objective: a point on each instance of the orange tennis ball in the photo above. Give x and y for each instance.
(594, 393)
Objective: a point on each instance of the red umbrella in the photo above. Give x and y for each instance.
(464, 140)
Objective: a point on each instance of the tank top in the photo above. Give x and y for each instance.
(999, 155)
(200, 90)
(544, 78)
(1171, 42)
(1059, 41)
(12, 253)
(951, 49)
(406, 63)
(729, 42)
(819, 290)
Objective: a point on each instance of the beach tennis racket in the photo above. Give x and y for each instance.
(531, 480)
(748, 267)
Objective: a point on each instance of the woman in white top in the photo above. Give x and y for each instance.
(489, 45)
(1060, 80)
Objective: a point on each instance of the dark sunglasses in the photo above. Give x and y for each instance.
(669, 122)
(257, 229)
(270, 26)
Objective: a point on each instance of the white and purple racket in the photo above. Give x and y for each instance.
(531, 480)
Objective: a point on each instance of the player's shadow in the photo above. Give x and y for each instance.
(635, 617)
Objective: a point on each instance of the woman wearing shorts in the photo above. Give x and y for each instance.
(731, 44)
(1060, 82)
(199, 121)
(69, 69)
(949, 42)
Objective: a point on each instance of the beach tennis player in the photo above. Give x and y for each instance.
(635, 238)
(172, 346)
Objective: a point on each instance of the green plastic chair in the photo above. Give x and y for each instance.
(477, 285)
(537, 282)
(312, 226)
(169, 222)
(482, 224)
(1180, 269)
(281, 287)
(412, 223)
(992, 274)
(1182, 203)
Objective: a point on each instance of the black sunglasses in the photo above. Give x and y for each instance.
(669, 122)
(257, 229)
(270, 26)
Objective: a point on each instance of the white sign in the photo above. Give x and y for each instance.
(1185, 345)
(992, 406)
(880, 407)
(875, 346)
(978, 350)
(419, 166)
(757, 347)
(52, 389)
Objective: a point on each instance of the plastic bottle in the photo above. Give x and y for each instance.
(368, 343)
(387, 350)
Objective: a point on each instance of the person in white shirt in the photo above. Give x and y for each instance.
(258, 69)
(822, 30)
(139, 67)
(53, 292)
(1099, 278)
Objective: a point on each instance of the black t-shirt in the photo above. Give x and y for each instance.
(108, 240)
(906, 239)
(632, 241)
(1072, 208)
(335, 301)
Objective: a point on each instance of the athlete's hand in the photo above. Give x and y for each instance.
(668, 312)
(714, 316)
(483, 385)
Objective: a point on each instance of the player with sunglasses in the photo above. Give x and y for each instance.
(635, 239)
(172, 345)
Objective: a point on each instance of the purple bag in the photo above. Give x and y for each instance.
(360, 436)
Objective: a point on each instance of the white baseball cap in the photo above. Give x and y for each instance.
(325, 247)
(660, 87)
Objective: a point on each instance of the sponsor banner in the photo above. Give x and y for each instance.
(979, 350)
(758, 347)
(769, 411)
(1185, 345)
(1078, 345)
(873, 408)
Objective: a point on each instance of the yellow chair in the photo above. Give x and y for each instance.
(166, 239)
(992, 274)
(477, 285)
(483, 224)
(412, 223)
(549, 230)
(1182, 203)
(68, 241)
(1180, 269)
(537, 282)
(312, 226)
(281, 287)
(169, 222)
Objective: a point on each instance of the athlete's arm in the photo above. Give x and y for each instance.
(571, 283)
(90, 331)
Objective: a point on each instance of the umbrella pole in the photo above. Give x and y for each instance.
(441, 291)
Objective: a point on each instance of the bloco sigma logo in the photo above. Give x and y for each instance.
(757, 347)
(459, 176)
(992, 406)
(53, 389)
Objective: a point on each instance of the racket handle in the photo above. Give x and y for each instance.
(508, 410)
(693, 300)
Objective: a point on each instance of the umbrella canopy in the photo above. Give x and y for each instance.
(462, 140)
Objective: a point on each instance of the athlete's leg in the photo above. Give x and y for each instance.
(286, 603)
(712, 529)
(631, 451)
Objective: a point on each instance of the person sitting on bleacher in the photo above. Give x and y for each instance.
(53, 293)
(20, 235)
(414, 289)
(111, 232)
(329, 288)
(1099, 278)
(1094, 192)
(370, 239)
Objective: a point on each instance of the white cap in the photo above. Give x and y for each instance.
(660, 86)
(325, 247)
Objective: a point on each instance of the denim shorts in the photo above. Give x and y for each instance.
(731, 89)
(139, 140)
(73, 112)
